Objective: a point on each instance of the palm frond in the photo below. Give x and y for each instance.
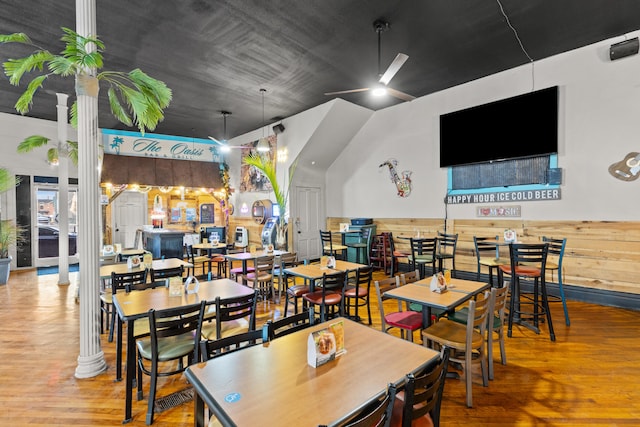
(16, 68)
(15, 38)
(267, 167)
(23, 105)
(32, 142)
(72, 148)
(7, 180)
(117, 109)
(63, 66)
(73, 113)
(155, 89)
(76, 49)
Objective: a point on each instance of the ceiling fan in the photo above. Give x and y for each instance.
(380, 26)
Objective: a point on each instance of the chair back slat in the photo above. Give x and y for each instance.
(133, 280)
(210, 349)
(290, 324)
(376, 414)
(176, 321)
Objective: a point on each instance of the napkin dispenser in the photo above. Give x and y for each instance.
(438, 283)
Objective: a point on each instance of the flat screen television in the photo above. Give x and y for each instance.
(522, 126)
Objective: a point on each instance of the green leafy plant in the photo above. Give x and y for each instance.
(268, 168)
(135, 99)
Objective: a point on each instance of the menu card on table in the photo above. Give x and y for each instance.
(325, 345)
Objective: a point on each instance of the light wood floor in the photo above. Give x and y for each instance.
(589, 376)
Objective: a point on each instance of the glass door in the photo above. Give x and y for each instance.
(48, 227)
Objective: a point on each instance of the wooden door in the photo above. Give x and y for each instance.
(308, 220)
(129, 214)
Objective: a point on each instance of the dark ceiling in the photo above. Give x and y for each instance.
(216, 55)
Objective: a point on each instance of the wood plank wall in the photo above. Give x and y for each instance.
(601, 255)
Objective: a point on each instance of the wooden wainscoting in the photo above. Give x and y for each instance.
(600, 255)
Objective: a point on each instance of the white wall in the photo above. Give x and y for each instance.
(599, 125)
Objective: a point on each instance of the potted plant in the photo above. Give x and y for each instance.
(268, 168)
(9, 232)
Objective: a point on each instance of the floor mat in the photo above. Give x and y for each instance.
(173, 400)
(54, 269)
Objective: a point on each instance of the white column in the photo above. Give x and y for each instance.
(91, 359)
(63, 190)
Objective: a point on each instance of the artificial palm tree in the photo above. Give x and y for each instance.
(134, 97)
(268, 168)
(9, 232)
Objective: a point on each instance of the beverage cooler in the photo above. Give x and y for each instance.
(356, 225)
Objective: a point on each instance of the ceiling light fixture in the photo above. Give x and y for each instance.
(381, 90)
(263, 143)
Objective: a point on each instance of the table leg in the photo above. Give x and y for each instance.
(119, 350)
(198, 412)
(131, 372)
(244, 272)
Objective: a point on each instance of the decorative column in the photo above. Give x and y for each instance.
(63, 190)
(91, 359)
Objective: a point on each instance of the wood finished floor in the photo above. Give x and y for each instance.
(589, 376)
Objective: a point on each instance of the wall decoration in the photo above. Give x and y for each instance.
(403, 184)
(251, 179)
(498, 211)
(504, 196)
(207, 213)
(626, 169)
(176, 214)
(190, 214)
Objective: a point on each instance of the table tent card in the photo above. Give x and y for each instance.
(325, 345)
(510, 236)
(147, 260)
(175, 286)
(438, 283)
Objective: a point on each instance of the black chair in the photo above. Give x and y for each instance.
(329, 248)
(528, 261)
(358, 293)
(210, 349)
(174, 336)
(120, 282)
(556, 250)
(233, 316)
(396, 255)
(161, 277)
(330, 294)
(422, 395)
(281, 280)
(197, 261)
(423, 252)
(377, 414)
(447, 244)
(287, 325)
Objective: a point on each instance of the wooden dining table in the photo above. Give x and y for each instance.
(136, 305)
(419, 292)
(246, 256)
(156, 264)
(272, 384)
(313, 272)
(209, 247)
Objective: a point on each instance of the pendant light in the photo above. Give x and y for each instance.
(225, 148)
(263, 143)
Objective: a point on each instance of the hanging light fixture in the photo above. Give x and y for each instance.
(263, 143)
(225, 148)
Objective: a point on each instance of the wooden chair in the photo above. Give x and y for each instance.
(261, 277)
(329, 296)
(423, 252)
(419, 403)
(201, 261)
(174, 336)
(396, 256)
(528, 261)
(495, 323)
(295, 292)
(556, 250)
(377, 414)
(232, 316)
(210, 349)
(405, 320)
(380, 256)
(358, 293)
(280, 280)
(466, 340)
(290, 324)
(329, 248)
(447, 244)
(486, 255)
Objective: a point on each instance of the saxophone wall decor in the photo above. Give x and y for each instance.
(403, 185)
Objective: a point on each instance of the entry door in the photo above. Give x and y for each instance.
(47, 228)
(307, 222)
(129, 214)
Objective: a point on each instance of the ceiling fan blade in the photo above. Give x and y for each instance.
(400, 95)
(216, 141)
(347, 91)
(393, 68)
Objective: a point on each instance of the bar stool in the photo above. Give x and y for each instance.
(528, 261)
(556, 248)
